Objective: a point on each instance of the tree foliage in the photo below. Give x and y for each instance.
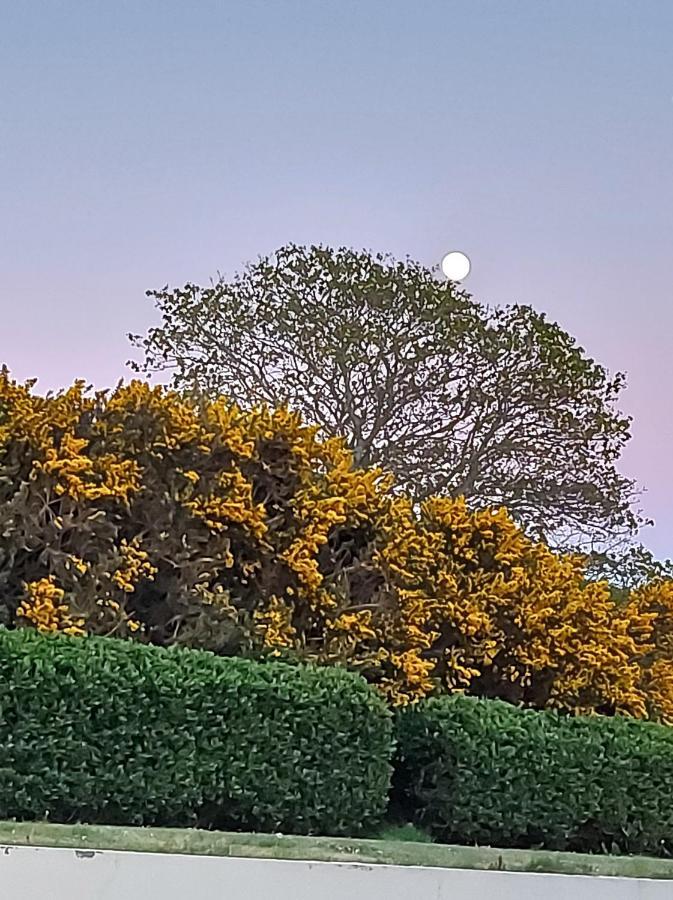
(498, 405)
(183, 520)
(627, 566)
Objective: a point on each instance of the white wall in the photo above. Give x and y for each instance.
(27, 873)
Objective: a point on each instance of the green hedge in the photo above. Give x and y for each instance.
(108, 731)
(482, 771)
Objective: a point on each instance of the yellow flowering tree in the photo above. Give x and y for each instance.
(502, 616)
(176, 520)
(148, 514)
(648, 617)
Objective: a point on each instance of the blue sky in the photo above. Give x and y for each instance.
(145, 143)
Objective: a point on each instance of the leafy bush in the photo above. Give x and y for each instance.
(483, 771)
(180, 520)
(115, 732)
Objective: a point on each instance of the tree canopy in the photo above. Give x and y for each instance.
(454, 397)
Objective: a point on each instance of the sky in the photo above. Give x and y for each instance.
(148, 143)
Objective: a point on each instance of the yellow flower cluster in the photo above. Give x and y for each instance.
(274, 625)
(26, 416)
(44, 608)
(82, 478)
(135, 566)
(229, 502)
(164, 420)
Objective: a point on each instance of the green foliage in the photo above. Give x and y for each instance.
(483, 771)
(115, 732)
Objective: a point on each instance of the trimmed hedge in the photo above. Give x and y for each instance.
(109, 731)
(483, 771)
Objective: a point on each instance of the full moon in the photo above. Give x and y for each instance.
(456, 265)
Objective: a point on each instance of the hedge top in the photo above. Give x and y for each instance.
(487, 772)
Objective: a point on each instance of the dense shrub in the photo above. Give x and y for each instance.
(115, 732)
(180, 520)
(483, 771)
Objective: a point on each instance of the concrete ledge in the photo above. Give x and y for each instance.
(326, 849)
(62, 873)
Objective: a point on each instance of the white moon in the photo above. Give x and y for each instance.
(456, 265)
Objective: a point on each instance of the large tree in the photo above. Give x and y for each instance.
(498, 404)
